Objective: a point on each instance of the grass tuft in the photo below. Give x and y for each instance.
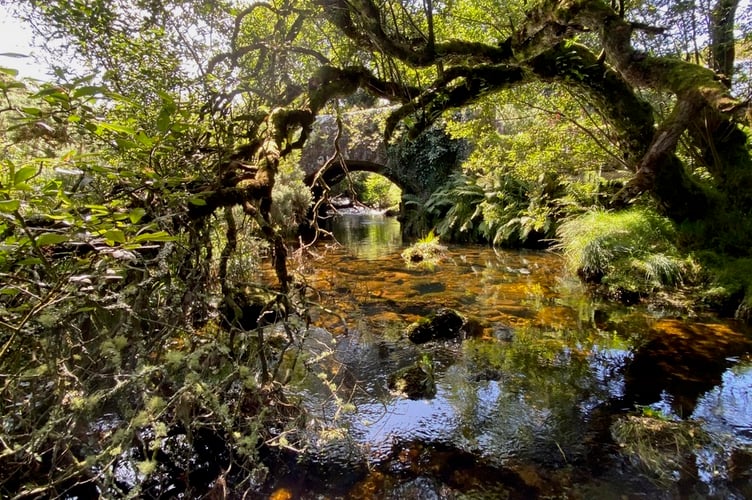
(629, 251)
(427, 251)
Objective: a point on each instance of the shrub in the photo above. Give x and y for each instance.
(631, 251)
(291, 197)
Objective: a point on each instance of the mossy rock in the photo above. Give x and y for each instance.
(444, 324)
(428, 252)
(415, 381)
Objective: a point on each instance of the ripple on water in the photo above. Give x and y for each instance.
(727, 408)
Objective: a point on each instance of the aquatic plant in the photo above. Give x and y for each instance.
(658, 444)
(426, 251)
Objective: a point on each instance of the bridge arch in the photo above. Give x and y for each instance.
(417, 167)
(337, 171)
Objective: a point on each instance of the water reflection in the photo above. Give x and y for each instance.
(535, 394)
(367, 235)
(727, 407)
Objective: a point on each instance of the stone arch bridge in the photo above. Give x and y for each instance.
(418, 167)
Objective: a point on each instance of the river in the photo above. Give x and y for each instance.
(555, 395)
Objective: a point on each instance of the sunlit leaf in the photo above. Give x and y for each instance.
(156, 236)
(144, 139)
(136, 214)
(32, 111)
(164, 119)
(50, 239)
(199, 202)
(53, 92)
(11, 84)
(23, 174)
(9, 205)
(115, 235)
(114, 127)
(89, 91)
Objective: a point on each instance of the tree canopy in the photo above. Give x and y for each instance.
(282, 62)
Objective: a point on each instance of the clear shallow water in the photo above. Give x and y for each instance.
(527, 406)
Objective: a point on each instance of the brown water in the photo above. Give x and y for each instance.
(529, 407)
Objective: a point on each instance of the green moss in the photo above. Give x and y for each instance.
(427, 251)
(729, 284)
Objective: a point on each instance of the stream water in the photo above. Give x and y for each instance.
(555, 395)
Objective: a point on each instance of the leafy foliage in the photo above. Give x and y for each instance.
(527, 170)
(107, 343)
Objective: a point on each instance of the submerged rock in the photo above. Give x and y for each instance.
(503, 332)
(445, 324)
(249, 308)
(415, 381)
(451, 472)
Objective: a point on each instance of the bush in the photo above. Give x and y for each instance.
(498, 208)
(291, 197)
(629, 252)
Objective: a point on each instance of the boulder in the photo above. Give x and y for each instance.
(445, 324)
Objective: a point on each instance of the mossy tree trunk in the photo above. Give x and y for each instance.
(543, 48)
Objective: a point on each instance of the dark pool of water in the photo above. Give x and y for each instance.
(530, 406)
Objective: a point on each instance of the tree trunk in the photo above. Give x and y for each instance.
(722, 50)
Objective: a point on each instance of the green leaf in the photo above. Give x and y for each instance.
(144, 139)
(164, 120)
(50, 239)
(156, 236)
(30, 261)
(23, 174)
(13, 84)
(51, 91)
(89, 91)
(9, 71)
(125, 144)
(32, 111)
(114, 127)
(115, 236)
(9, 206)
(199, 202)
(136, 214)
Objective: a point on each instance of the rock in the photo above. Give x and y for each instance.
(472, 328)
(740, 464)
(503, 332)
(487, 375)
(445, 324)
(415, 381)
(249, 308)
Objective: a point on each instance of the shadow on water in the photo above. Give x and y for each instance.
(554, 395)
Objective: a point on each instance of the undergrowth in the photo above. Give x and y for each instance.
(628, 253)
